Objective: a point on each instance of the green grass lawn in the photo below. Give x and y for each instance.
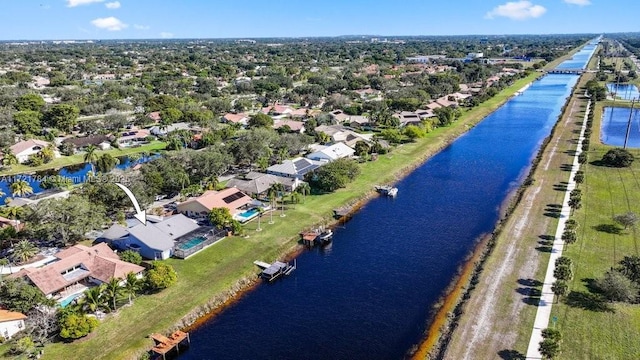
(613, 333)
(213, 271)
(79, 158)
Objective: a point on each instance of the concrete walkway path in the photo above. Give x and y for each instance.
(546, 298)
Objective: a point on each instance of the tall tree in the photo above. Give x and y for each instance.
(29, 102)
(62, 116)
(106, 162)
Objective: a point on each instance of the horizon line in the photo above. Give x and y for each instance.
(314, 37)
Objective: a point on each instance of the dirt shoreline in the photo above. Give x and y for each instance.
(205, 312)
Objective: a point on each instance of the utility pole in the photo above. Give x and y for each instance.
(626, 138)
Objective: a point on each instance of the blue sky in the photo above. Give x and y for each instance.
(140, 19)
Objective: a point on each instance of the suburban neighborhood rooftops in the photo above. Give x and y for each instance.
(28, 144)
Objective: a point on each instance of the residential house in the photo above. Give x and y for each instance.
(408, 118)
(133, 138)
(164, 130)
(11, 322)
(155, 241)
(230, 198)
(331, 153)
(5, 223)
(277, 110)
(339, 116)
(444, 101)
(339, 133)
(433, 105)
(25, 148)
(302, 113)
(295, 168)
(77, 268)
(257, 184)
(240, 118)
(154, 116)
(358, 121)
(425, 113)
(295, 126)
(102, 142)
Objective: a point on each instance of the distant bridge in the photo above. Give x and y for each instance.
(567, 71)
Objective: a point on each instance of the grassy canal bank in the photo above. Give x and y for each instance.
(591, 327)
(220, 272)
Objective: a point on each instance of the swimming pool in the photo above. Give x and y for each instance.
(66, 301)
(192, 243)
(247, 215)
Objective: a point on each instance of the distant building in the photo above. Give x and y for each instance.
(474, 55)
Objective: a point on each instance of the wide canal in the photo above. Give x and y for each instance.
(370, 295)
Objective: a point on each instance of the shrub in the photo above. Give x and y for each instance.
(131, 256)
(618, 158)
(616, 287)
(75, 326)
(161, 276)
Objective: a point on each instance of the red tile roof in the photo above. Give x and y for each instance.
(100, 261)
(6, 315)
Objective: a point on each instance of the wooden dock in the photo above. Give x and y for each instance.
(164, 345)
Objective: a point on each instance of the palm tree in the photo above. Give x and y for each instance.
(47, 154)
(90, 156)
(132, 286)
(295, 197)
(304, 189)
(3, 262)
(9, 159)
(93, 299)
(210, 183)
(20, 188)
(12, 212)
(112, 290)
(283, 153)
(24, 250)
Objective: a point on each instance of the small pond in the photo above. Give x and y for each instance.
(624, 91)
(614, 126)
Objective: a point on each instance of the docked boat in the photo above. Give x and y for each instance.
(275, 270)
(387, 190)
(316, 236)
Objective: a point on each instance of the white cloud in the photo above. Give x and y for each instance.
(74, 3)
(517, 10)
(109, 23)
(166, 35)
(141, 27)
(578, 2)
(113, 5)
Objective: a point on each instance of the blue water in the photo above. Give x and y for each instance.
(68, 300)
(193, 242)
(581, 58)
(369, 296)
(624, 91)
(246, 215)
(77, 174)
(614, 127)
